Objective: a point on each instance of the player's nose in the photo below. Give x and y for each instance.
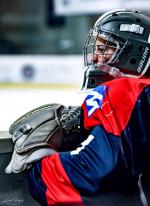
(98, 58)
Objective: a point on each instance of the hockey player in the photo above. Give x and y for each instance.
(114, 155)
(116, 116)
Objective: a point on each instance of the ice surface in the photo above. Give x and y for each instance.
(16, 102)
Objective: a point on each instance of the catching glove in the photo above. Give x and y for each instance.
(42, 132)
(53, 125)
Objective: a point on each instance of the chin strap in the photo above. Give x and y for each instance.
(115, 72)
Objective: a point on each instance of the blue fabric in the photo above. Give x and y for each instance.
(94, 162)
(136, 136)
(36, 185)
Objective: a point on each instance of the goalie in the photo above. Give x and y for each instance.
(73, 154)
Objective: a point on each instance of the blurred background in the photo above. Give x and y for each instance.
(41, 46)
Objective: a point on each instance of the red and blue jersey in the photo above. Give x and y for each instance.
(111, 104)
(116, 115)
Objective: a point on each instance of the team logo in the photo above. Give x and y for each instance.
(95, 99)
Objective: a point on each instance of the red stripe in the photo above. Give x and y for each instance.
(59, 187)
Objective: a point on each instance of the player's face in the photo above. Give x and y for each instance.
(103, 51)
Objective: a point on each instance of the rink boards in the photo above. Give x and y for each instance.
(13, 187)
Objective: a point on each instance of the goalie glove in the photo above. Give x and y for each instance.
(52, 125)
(21, 162)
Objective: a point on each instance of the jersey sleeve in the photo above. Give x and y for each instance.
(68, 176)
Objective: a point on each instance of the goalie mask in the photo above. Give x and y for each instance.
(117, 46)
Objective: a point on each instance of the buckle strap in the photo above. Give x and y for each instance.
(142, 194)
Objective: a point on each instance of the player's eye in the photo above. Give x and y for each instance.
(100, 48)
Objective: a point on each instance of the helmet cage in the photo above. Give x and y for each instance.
(90, 46)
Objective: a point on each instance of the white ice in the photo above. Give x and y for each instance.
(15, 102)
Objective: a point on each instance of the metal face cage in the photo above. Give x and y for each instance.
(110, 42)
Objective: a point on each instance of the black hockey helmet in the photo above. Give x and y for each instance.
(128, 32)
